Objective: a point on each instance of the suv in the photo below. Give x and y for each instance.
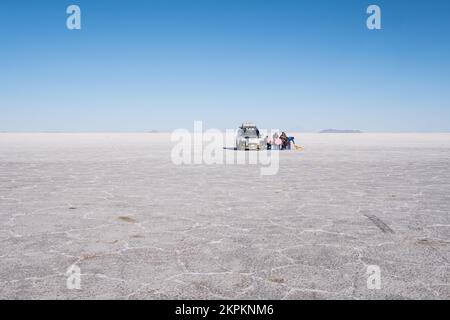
(248, 138)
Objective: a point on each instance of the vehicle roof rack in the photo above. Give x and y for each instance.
(248, 125)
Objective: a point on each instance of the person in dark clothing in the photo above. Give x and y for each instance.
(284, 140)
(268, 143)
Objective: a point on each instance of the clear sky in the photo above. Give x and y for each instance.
(160, 65)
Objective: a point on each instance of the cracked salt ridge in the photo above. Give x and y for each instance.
(331, 207)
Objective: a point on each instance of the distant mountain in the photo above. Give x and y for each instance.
(339, 131)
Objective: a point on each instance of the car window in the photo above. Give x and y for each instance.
(250, 132)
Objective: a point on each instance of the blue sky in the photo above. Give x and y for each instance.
(160, 65)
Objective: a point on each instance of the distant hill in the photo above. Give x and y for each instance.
(339, 131)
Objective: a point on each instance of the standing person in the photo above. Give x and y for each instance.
(276, 142)
(268, 143)
(284, 140)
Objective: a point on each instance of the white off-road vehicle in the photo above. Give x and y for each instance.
(248, 138)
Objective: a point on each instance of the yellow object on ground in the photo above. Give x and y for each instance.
(298, 148)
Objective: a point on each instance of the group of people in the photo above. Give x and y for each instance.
(280, 142)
